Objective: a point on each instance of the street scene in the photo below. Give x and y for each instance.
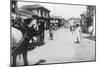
(47, 33)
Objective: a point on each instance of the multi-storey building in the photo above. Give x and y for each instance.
(39, 11)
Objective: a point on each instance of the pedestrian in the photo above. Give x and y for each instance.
(51, 33)
(70, 28)
(90, 29)
(77, 31)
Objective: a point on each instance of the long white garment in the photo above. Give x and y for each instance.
(77, 33)
(90, 29)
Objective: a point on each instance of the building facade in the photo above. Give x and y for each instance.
(40, 11)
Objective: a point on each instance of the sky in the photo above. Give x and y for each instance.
(65, 11)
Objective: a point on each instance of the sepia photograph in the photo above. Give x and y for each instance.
(44, 33)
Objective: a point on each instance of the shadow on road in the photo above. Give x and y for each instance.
(93, 38)
(40, 61)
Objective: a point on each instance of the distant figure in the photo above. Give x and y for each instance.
(70, 28)
(90, 29)
(77, 33)
(51, 33)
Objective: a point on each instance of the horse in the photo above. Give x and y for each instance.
(21, 34)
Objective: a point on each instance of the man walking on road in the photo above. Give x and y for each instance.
(77, 33)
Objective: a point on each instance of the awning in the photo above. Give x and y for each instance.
(25, 13)
(36, 6)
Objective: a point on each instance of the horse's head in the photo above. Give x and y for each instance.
(32, 23)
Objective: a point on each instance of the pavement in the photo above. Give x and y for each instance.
(61, 49)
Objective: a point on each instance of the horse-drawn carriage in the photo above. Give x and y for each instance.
(31, 34)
